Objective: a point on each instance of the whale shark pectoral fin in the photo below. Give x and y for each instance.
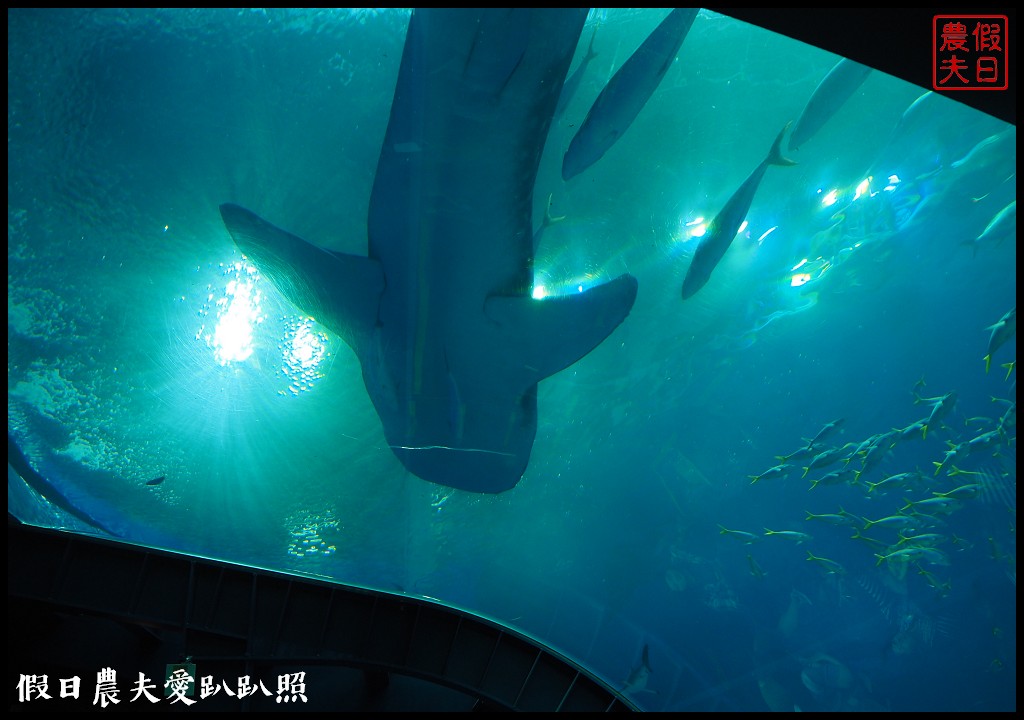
(341, 291)
(555, 332)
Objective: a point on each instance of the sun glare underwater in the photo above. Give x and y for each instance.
(795, 488)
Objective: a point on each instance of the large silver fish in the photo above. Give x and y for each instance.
(1002, 225)
(726, 224)
(831, 93)
(627, 92)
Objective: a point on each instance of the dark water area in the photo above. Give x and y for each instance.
(862, 288)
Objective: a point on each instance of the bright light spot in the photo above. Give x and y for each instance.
(862, 188)
(561, 287)
(767, 232)
(694, 228)
(238, 311)
(830, 198)
(894, 181)
(313, 533)
(811, 271)
(303, 349)
(743, 226)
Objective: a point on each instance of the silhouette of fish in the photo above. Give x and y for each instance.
(440, 312)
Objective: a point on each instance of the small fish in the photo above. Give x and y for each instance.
(923, 540)
(799, 537)
(1002, 331)
(156, 481)
(919, 385)
(958, 471)
(861, 449)
(878, 450)
(950, 456)
(868, 540)
(855, 519)
(748, 538)
(770, 473)
(830, 566)
(798, 454)
(831, 519)
(901, 556)
(547, 222)
(825, 431)
(1009, 367)
(1008, 418)
(941, 408)
(939, 504)
(897, 521)
(910, 431)
(985, 441)
(837, 477)
(823, 459)
(894, 480)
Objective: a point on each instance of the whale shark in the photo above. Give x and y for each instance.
(440, 311)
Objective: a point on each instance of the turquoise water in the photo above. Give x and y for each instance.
(141, 346)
